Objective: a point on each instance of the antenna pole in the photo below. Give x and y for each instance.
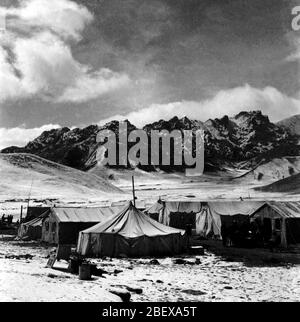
(133, 191)
(29, 195)
(21, 215)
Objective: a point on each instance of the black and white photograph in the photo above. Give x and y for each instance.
(149, 153)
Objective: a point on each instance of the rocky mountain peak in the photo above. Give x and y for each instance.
(253, 119)
(246, 136)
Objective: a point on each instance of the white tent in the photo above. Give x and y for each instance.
(207, 214)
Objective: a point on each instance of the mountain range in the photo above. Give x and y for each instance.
(243, 141)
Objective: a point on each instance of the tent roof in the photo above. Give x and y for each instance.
(224, 208)
(232, 208)
(175, 206)
(37, 221)
(286, 209)
(34, 222)
(35, 211)
(132, 223)
(229, 208)
(140, 204)
(84, 214)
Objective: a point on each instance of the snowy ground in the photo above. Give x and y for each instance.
(213, 279)
(29, 280)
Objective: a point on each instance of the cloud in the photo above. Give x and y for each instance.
(10, 86)
(226, 102)
(92, 85)
(117, 117)
(295, 43)
(36, 57)
(20, 137)
(64, 17)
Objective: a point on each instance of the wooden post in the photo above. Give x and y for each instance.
(133, 191)
(283, 233)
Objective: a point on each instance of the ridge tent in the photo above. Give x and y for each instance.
(63, 224)
(33, 228)
(133, 234)
(206, 218)
(222, 214)
(177, 214)
(274, 216)
(281, 217)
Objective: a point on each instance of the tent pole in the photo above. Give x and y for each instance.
(29, 195)
(21, 214)
(133, 191)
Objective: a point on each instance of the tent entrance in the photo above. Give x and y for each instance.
(181, 220)
(267, 229)
(293, 230)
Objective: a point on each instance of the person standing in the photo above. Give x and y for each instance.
(224, 234)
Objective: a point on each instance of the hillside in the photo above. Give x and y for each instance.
(291, 124)
(48, 179)
(276, 169)
(289, 185)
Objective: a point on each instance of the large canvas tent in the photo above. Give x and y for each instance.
(217, 214)
(205, 217)
(283, 217)
(62, 225)
(210, 217)
(133, 234)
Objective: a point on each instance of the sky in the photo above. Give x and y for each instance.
(81, 62)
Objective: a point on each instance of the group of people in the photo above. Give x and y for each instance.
(7, 219)
(249, 234)
(232, 234)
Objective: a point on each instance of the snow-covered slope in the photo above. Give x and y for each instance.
(292, 124)
(289, 185)
(276, 169)
(19, 172)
